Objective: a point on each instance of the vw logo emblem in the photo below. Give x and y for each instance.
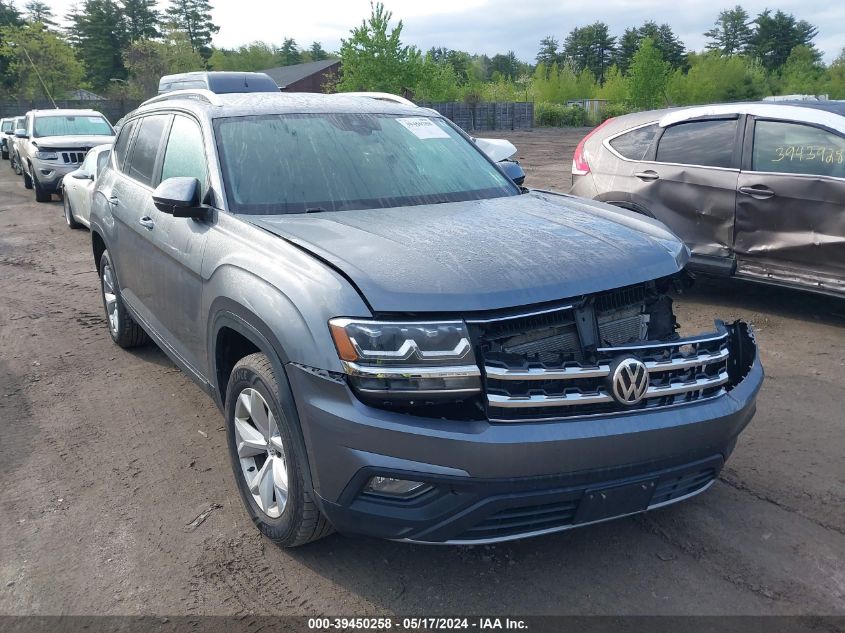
(629, 381)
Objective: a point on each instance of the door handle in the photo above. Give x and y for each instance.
(147, 222)
(647, 176)
(113, 201)
(758, 192)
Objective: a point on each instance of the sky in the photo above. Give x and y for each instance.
(491, 26)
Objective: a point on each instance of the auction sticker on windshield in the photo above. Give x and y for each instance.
(423, 128)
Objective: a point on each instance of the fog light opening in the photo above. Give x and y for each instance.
(392, 487)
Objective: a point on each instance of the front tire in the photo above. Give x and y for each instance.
(269, 465)
(122, 328)
(41, 194)
(71, 221)
(27, 179)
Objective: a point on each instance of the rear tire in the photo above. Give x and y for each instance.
(71, 222)
(122, 327)
(268, 463)
(5, 154)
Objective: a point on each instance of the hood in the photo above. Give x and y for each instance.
(484, 254)
(71, 142)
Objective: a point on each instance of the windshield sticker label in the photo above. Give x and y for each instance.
(423, 128)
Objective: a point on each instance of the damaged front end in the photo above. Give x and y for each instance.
(609, 353)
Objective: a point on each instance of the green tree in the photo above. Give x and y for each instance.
(615, 87)
(802, 73)
(505, 65)
(714, 78)
(148, 60)
(374, 57)
(248, 58)
(9, 16)
(647, 77)
(37, 11)
(317, 53)
(101, 36)
(592, 48)
(835, 81)
(549, 52)
(193, 18)
(289, 53)
(436, 81)
(57, 66)
(775, 35)
(731, 32)
(141, 18)
(663, 39)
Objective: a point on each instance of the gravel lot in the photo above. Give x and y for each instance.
(116, 495)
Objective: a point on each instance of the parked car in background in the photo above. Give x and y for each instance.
(756, 190)
(220, 82)
(54, 143)
(7, 131)
(14, 158)
(403, 342)
(78, 187)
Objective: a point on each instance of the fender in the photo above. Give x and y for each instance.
(228, 313)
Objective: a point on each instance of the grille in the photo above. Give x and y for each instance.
(73, 158)
(538, 367)
(561, 514)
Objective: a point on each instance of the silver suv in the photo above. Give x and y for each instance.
(403, 342)
(53, 143)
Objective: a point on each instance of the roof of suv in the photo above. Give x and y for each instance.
(244, 104)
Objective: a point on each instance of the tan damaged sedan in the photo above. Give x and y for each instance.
(756, 190)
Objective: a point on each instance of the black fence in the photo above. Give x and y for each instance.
(507, 115)
(113, 109)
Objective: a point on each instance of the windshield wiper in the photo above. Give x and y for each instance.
(317, 210)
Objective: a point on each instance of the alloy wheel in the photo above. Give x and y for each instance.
(261, 452)
(110, 299)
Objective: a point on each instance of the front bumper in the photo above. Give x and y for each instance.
(494, 482)
(49, 173)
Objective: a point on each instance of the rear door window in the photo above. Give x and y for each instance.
(794, 148)
(122, 143)
(633, 145)
(705, 143)
(142, 160)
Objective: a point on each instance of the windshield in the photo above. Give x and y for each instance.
(72, 125)
(7, 125)
(296, 163)
(20, 123)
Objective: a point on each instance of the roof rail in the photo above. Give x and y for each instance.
(198, 94)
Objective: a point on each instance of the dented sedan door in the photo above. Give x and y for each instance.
(790, 212)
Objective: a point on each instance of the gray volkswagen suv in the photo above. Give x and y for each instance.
(404, 343)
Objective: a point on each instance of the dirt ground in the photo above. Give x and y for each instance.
(116, 495)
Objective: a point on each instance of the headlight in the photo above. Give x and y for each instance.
(46, 155)
(407, 359)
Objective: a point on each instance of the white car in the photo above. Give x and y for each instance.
(78, 186)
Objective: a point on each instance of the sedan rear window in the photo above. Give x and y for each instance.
(633, 145)
(706, 143)
(72, 126)
(297, 163)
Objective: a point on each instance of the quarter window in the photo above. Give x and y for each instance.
(185, 154)
(143, 158)
(102, 161)
(793, 148)
(122, 143)
(634, 144)
(706, 143)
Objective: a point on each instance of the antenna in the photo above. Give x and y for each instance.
(38, 74)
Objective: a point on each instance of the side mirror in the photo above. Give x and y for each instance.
(81, 175)
(180, 197)
(21, 133)
(513, 170)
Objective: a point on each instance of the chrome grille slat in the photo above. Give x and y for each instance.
(569, 399)
(569, 373)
